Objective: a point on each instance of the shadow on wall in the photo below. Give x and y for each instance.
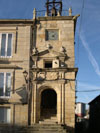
(2, 61)
(22, 92)
(69, 129)
(7, 128)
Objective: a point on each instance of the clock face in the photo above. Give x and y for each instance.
(52, 35)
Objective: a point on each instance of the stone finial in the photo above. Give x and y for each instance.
(70, 11)
(58, 13)
(34, 13)
(46, 14)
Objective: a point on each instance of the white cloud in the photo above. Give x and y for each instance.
(90, 56)
(86, 86)
(87, 97)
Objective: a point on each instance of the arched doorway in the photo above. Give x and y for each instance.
(48, 103)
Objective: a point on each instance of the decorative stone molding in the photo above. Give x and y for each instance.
(63, 49)
(51, 75)
(41, 76)
(34, 51)
(49, 46)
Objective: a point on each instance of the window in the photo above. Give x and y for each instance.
(5, 45)
(5, 115)
(52, 35)
(48, 64)
(5, 84)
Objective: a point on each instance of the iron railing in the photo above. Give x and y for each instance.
(42, 13)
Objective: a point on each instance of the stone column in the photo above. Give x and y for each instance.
(63, 103)
(35, 100)
(32, 107)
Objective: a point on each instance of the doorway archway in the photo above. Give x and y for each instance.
(48, 103)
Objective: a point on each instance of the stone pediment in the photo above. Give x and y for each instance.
(50, 52)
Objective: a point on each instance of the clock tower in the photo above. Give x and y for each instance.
(52, 67)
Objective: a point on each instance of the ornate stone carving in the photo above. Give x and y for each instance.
(34, 51)
(61, 75)
(34, 75)
(41, 76)
(63, 49)
(49, 46)
(51, 75)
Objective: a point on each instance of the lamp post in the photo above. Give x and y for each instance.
(27, 80)
(25, 73)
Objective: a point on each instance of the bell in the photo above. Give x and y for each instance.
(53, 12)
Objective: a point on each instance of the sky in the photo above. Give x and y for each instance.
(87, 40)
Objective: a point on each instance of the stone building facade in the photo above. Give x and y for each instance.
(37, 73)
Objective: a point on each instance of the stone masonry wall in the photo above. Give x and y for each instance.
(66, 38)
(20, 58)
(66, 91)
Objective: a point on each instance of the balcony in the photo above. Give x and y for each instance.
(42, 13)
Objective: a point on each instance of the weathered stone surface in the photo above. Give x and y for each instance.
(57, 78)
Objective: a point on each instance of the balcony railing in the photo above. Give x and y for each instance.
(42, 13)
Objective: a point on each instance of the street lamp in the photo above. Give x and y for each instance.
(25, 73)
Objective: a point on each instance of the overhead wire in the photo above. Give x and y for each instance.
(89, 90)
(81, 19)
(70, 3)
(80, 26)
(78, 48)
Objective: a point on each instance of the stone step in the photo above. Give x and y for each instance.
(52, 120)
(49, 119)
(43, 132)
(46, 131)
(33, 131)
(48, 122)
(44, 128)
(45, 125)
(37, 128)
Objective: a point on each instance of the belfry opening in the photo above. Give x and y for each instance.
(48, 103)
